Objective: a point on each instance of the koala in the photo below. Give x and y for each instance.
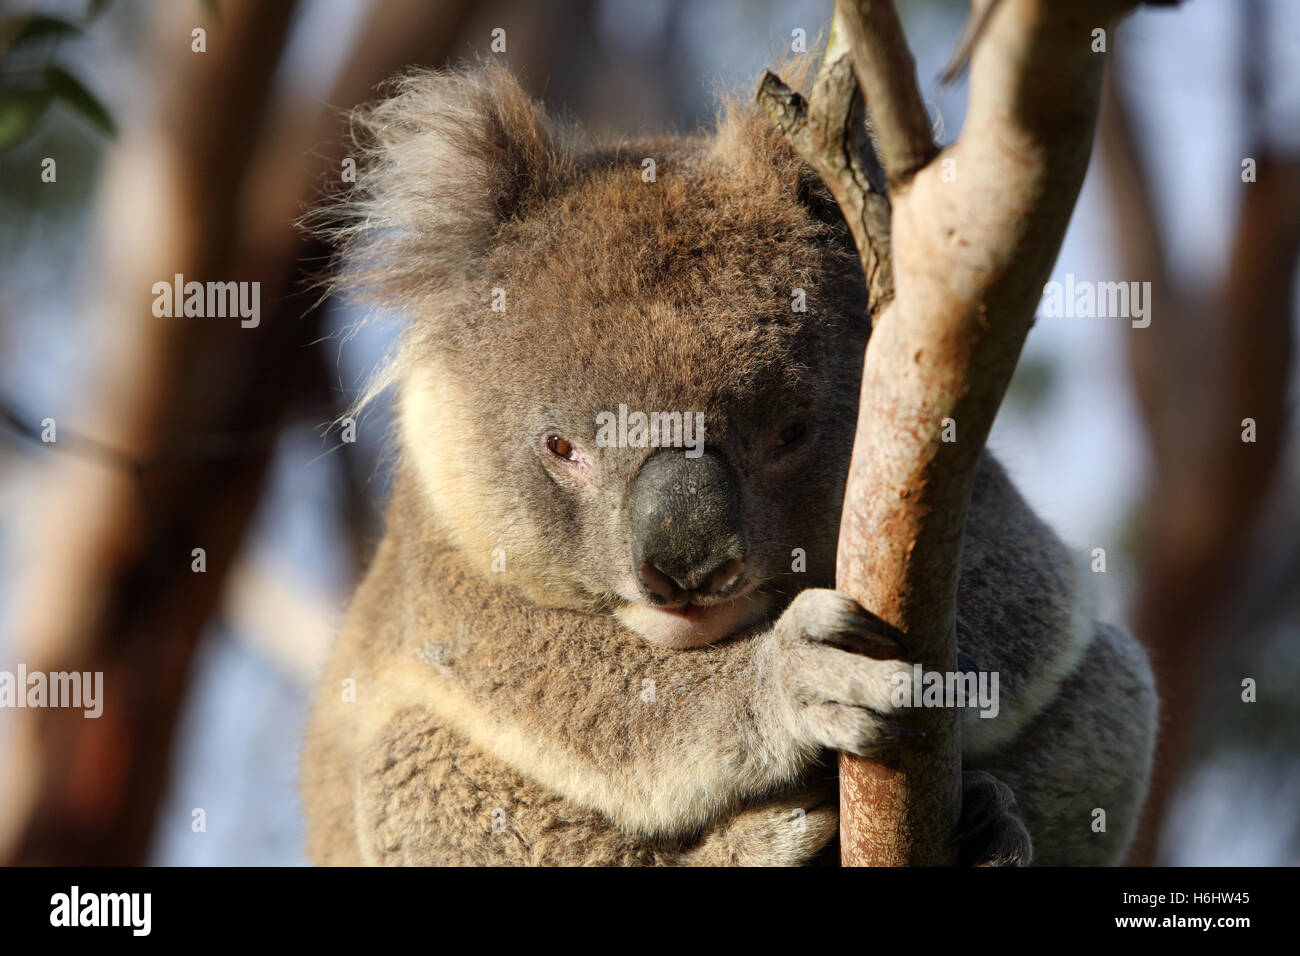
(599, 627)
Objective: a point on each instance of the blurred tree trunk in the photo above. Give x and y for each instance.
(1204, 365)
(198, 189)
(108, 586)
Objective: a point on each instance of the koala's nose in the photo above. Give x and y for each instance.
(687, 534)
(672, 587)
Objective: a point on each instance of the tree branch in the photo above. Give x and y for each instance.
(887, 73)
(830, 132)
(973, 234)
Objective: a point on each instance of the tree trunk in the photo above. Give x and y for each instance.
(964, 239)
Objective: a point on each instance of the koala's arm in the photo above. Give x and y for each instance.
(1076, 720)
(667, 743)
(428, 796)
(1079, 767)
(549, 716)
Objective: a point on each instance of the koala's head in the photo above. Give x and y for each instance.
(629, 378)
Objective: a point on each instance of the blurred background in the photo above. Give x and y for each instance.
(177, 434)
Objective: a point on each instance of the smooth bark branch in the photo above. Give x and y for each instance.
(887, 73)
(973, 234)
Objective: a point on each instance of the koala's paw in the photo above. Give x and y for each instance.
(832, 667)
(788, 830)
(990, 832)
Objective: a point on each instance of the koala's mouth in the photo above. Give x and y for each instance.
(695, 612)
(687, 625)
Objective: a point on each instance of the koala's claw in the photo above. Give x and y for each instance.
(990, 832)
(896, 731)
(834, 669)
(860, 632)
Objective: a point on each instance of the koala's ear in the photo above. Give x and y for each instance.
(444, 161)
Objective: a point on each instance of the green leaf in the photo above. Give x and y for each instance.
(29, 29)
(68, 89)
(20, 112)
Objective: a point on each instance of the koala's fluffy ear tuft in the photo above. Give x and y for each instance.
(758, 155)
(753, 150)
(444, 161)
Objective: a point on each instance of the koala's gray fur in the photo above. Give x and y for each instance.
(507, 687)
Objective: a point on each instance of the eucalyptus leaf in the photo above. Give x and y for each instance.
(39, 27)
(20, 112)
(17, 31)
(68, 89)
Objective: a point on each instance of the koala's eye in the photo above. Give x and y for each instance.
(791, 436)
(561, 448)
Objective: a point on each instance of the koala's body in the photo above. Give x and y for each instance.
(574, 647)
